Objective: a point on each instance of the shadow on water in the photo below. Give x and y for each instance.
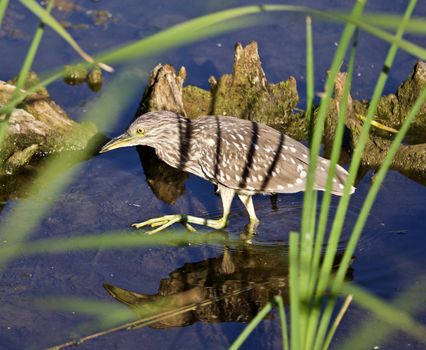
(231, 287)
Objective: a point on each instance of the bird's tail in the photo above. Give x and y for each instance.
(339, 180)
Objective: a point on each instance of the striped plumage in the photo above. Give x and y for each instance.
(238, 155)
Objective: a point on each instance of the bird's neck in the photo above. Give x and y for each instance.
(179, 149)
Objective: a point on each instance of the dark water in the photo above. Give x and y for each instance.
(111, 193)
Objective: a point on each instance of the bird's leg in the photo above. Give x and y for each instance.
(248, 203)
(163, 222)
(250, 228)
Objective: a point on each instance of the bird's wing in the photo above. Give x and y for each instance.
(255, 158)
(252, 157)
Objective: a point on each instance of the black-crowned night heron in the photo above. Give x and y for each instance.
(237, 155)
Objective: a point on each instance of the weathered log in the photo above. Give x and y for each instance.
(247, 94)
(410, 159)
(163, 91)
(38, 127)
(393, 109)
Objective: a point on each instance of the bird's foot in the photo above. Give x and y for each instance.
(165, 221)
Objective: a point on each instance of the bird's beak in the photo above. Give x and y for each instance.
(124, 140)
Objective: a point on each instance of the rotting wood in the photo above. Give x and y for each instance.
(38, 127)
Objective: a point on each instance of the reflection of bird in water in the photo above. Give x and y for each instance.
(232, 287)
(239, 156)
(167, 183)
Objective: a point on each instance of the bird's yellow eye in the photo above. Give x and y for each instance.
(140, 131)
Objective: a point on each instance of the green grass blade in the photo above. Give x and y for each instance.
(310, 80)
(295, 340)
(337, 321)
(335, 154)
(182, 33)
(416, 25)
(49, 20)
(319, 125)
(394, 317)
(388, 21)
(32, 51)
(306, 251)
(317, 135)
(251, 326)
(89, 307)
(26, 67)
(283, 320)
(112, 240)
(405, 45)
(3, 7)
(370, 332)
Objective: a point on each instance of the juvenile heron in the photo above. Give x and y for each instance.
(239, 156)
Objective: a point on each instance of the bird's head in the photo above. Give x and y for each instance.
(150, 129)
